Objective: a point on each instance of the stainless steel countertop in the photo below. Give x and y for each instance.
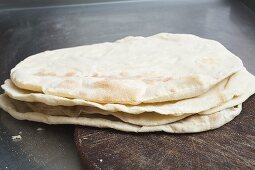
(24, 32)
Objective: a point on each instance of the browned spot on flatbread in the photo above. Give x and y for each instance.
(104, 84)
(44, 73)
(149, 81)
(107, 98)
(193, 79)
(155, 80)
(68, 84)
(70, 74)
(114, 92)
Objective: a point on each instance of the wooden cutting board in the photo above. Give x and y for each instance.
(229, 147)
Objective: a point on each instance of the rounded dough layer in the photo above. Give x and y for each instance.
(192, 124)
(133, 70)
(143, 119)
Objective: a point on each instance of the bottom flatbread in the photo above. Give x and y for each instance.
(191, 124)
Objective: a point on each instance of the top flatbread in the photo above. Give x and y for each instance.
(132, 70)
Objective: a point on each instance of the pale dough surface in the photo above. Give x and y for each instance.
(133, 70)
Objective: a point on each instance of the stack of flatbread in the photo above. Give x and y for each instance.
(177, 83)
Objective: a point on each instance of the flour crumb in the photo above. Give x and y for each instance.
(20, 132)
(16, 138)
(40, 129)
(101, 160)
(84, 138)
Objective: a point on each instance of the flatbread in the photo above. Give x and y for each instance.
(195, 123)
(133, 70)
(231, 103)
(224, 91)
(144, 119)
